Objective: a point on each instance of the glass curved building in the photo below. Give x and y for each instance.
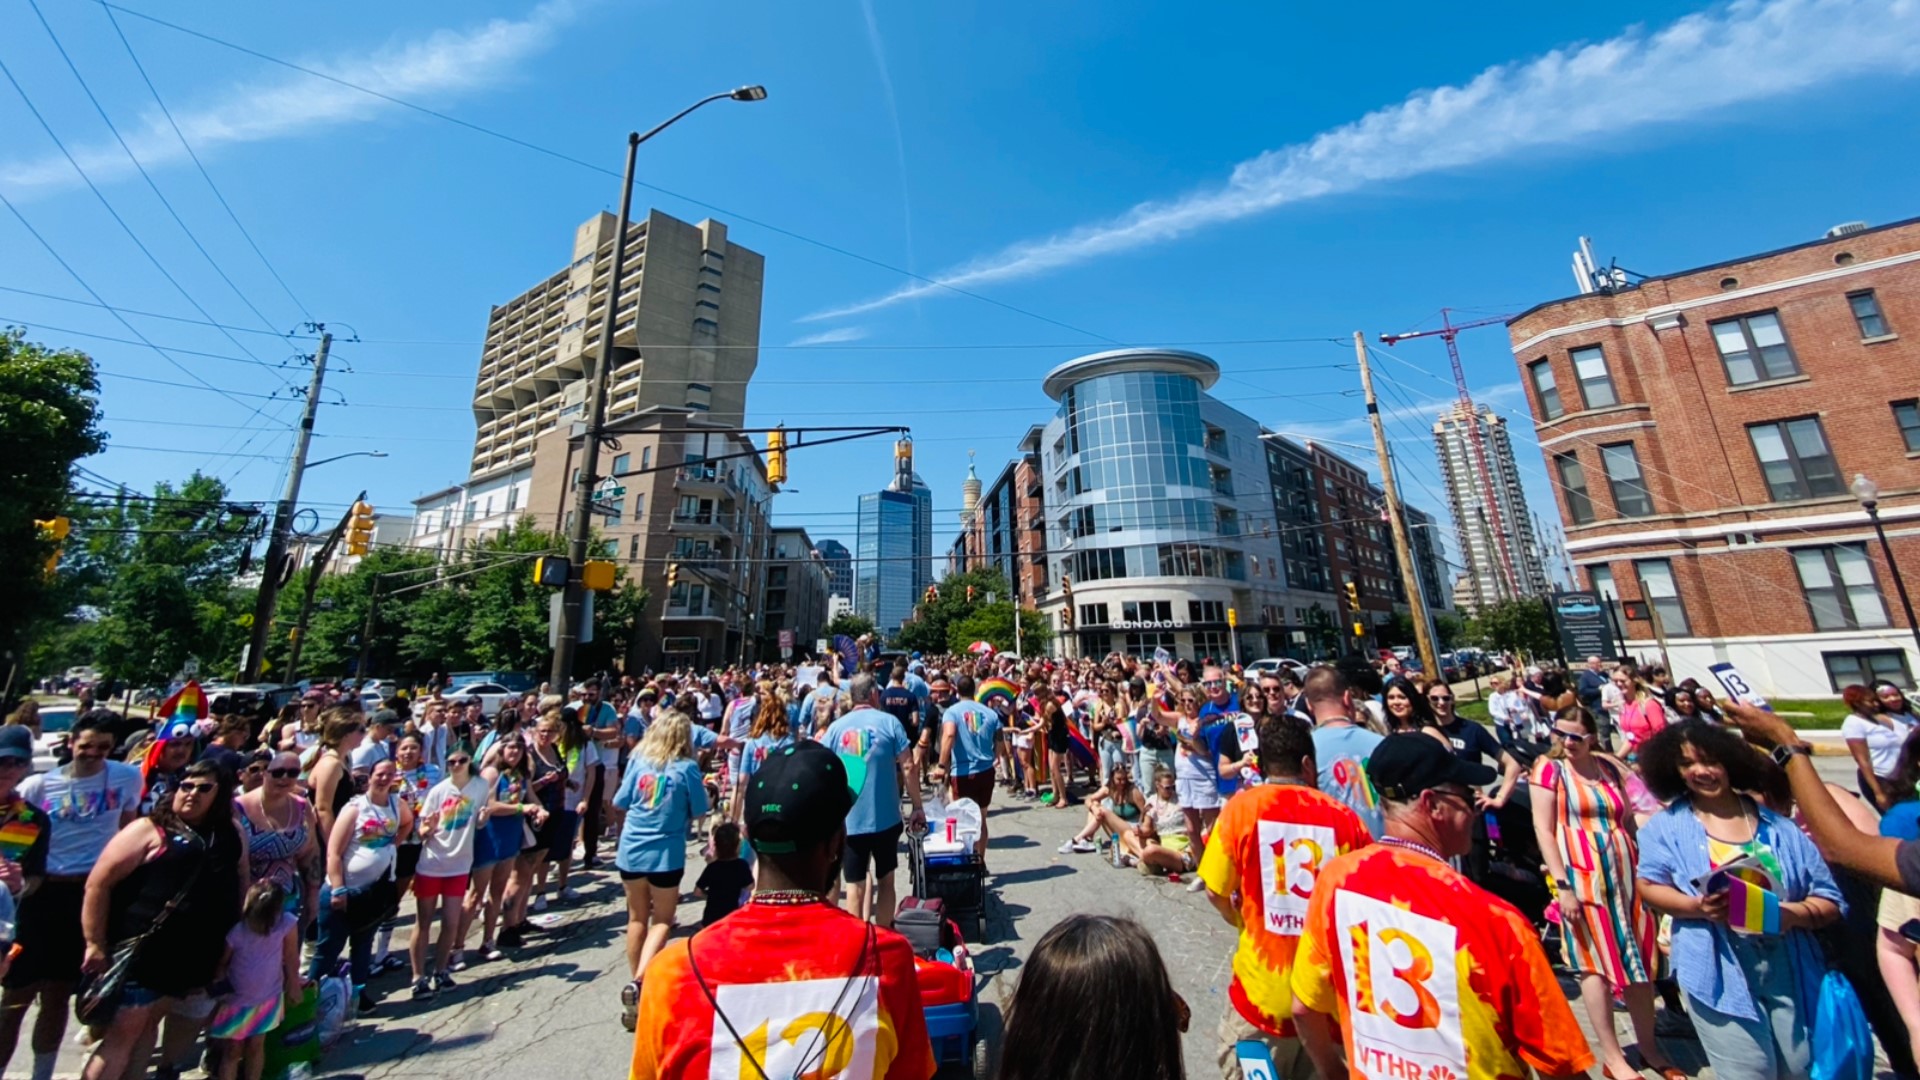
(1145, 502)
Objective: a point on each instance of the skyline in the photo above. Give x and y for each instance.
(862, 147)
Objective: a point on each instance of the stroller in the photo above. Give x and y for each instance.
(945, 971)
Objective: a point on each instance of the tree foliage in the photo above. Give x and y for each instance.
(49, 415)
(932, 629)
(1518, 626)
(993, 624)
(850, 624)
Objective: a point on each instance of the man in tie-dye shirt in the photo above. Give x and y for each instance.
(1424, 973)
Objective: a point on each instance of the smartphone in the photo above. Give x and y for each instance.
(1256, 1060)
(1911, 930)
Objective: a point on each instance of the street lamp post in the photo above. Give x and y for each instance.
(1868, 493)
(573, 597)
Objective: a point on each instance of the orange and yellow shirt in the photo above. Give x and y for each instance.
(1429, 976)
(805, 989)
(1268, 847)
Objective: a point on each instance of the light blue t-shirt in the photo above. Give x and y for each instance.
(1340, 753)
(975, 727)
(703, 736)
(754, 752)
(869, 743)
(659, 802)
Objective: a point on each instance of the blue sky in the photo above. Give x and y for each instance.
(1268, 177)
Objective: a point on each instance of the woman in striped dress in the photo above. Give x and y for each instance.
(1584, 821)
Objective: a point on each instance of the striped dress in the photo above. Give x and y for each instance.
(1615, 938)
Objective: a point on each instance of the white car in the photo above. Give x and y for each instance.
(490, 696)
(56, 722)
(1278, 663)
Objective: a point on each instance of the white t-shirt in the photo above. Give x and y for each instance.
(85, 812)
(1883, 742)
(448, 850)
(371, 854)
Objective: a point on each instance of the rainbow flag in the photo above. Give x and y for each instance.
(992, 688)
(1750, 908)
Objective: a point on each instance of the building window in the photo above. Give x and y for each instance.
(1659, 590)
(1866, 312)
(620, 463)
(1596, 385)
(633, 548)
(1145, 644)
(1753, 348)
(1211, 645)
(646, 457)
(1866, 668)
(1134, 611)
(612, 516)
(1795, 459)
(1600, 580)
(1838, 582)
(1093, 615)
(1206, 611)
(513, 498)
(1907, 415)
(1630, 495)
(640, 506)
(1573, 483)
(1541, 372)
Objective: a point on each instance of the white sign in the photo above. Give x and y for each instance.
(1290, 859)
(556, 616)
(1737, 686)
(1403, 989)
(1149, 624)
(820, 647)
(806, 676)
(814, 1027)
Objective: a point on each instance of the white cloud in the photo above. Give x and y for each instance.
(1746, 51)
(838, 336)
(445, 63)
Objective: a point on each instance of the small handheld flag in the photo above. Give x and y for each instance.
(1750, 908)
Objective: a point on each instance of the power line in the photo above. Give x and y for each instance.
(215, 188)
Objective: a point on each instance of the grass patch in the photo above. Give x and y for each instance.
(1826, 714)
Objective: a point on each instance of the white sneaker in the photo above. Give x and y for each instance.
(1196, 884)
(1065, 848)
(1085, 846)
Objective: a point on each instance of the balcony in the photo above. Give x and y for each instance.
(701, 477)
(705, 521)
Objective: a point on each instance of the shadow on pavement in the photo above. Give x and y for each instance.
(1037, 873)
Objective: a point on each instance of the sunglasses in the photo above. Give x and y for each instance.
(1438, 698)
(1212, 684)
(200, 788)
(1571, 736)
(254, 768)
(459, 760)
(285, 774)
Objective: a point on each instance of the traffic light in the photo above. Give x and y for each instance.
(360, 529)
(55, 529)
(1359, 629)
(673, 575)
(1233, 619)
(596, 576)
(551, 571)
(1066, 586)
(1353, 596)
(777, 456)
(969, 594)
(933, 594)
(1066, 615)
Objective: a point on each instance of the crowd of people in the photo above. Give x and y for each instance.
(187, 886)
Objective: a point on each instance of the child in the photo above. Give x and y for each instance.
(727, 878)
(261, 972)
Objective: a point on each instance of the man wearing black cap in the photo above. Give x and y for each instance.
(788, 985)
(1425, 973)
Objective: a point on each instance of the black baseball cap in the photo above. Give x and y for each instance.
(1406, 764)
(798, 798)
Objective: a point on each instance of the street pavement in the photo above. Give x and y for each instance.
(552, 1010)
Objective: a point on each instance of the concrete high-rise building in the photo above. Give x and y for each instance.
(794, 594)
(839, 564)
(1489, 511)
(690, 320)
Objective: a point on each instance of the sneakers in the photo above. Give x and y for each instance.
(1196, 884)
(630, 1005)
(565, 896)
(423, 990)
(458, 961)
(1083, 847)
(443, 981)
(510, 938)
(392, 962)
(492, 953)
(539, 903)
(1065, 848)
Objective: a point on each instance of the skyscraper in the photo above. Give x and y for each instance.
(893, 557)
(839, 563)
(1491, 519)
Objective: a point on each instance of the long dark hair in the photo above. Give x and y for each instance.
(1094, 1002)
(219, 816)
(1422, 710)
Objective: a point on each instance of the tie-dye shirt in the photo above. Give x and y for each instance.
(659, 800)
(1268, 846)
(375, 828)
(1428, 975)
(447, 850)
(85, 811)
(869, 743)
(809, 989)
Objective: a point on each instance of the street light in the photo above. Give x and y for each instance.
(572, 602)
(1868, 493)
(337, 457)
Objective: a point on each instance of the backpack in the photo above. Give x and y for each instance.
(923, 922)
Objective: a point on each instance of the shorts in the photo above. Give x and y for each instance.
(407, 861)
(486, 851)
(1201, 794)
(558, 836)
(881, 849)
(242, 1021)
(977, 786)
(659, 879)
(430, 887)
(49, 936)
(1181, 845)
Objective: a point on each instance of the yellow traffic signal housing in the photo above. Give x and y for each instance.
(1353, 596)
(1233, 619)
(56, 529)
(360, 529)
(673, 574)
(777, 456)
(1066, 617)
(551, 571)
(1359, 629)
(597, 576)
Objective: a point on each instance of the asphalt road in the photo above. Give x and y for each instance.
(552, 1010)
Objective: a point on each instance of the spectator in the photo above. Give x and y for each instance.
(1874, 736)
(1641, 714)
(1591, 687)
(787, 958)
(1094, 1003)
(1341, 746)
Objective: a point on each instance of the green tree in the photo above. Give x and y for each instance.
(508, 625)
(49, 415)
(849, 624)
(928, 630)
(1520, 626)
(339, 615)
(1450, 629)
(993, 623)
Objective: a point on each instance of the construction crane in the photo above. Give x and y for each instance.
(1448, 332)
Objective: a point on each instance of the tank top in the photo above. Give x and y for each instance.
(270, 853)
(553, 792)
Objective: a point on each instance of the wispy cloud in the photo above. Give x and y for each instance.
(444, 64)
(1743, 52)
(839, 336)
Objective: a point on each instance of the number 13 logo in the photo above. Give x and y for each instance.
(1290, 860)
(1403, 983)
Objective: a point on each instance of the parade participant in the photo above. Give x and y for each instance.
(1874, 736)
(970, 745)
(788, 961)
(497, 852)
(1259, 870)
(661, 793)
(1742, 989)
(278, 828)
(184, 859)
(85, 803)
(1583, 819)
(1057, 729)
(1473, 743)
(876, 753)
(1094, 1002)
(1475, 998)
(330, 779)
(1340, 745)
(360, 891)
(261, 970)
(451, 814)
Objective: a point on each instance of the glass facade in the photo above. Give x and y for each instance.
(887, 576)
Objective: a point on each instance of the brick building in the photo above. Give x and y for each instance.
(1703, 429)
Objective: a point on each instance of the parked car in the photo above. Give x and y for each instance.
(256, 699)
(1277, 663)
(490, 695)
(50, 748)
(517, 681)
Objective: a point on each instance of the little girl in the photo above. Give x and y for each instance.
(261, 973)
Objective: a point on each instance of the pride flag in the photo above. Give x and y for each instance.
(1750, 908)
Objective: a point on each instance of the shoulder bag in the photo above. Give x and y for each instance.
(98, 997)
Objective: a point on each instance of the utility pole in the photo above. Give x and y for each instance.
(1402, 547)
(314, 569)
(270, 569)
(573, 598)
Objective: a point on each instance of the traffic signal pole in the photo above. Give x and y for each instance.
(1402, 546)
(271, 570)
